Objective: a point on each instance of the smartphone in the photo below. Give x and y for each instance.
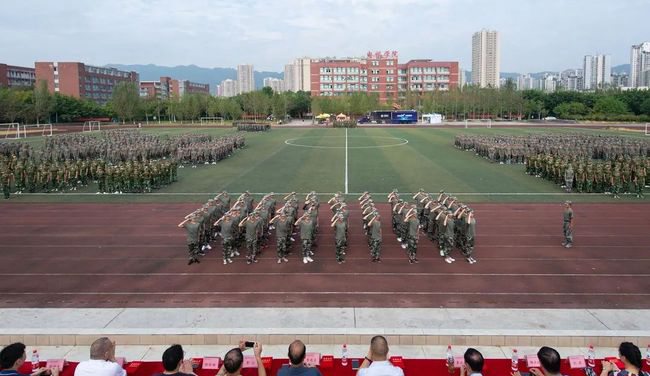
(355, 364)
(249, 344)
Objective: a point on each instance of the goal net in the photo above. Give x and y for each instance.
(14, 130)
(647, 129)
(90, 126)
(208, 120)
(47, 129)
(478, 123)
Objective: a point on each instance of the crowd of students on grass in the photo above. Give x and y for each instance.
(102, 362)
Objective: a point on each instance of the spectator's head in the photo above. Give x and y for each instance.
(630, 354)
(12, 356)
(172, 358)
(550, 360)
(379, 348)
(233, 360)
(101, 349)
(474, 360)
(297, 352)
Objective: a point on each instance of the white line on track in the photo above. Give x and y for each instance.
(284, 274)
(325, 193)
(392, 293)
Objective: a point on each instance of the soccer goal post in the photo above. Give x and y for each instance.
(207, 120)
(90, 126)
(47, 129)
(647, 129)
(14, 130)
(478, 123)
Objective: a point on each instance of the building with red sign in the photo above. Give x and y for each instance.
(381, 73)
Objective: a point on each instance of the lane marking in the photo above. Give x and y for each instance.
(637, 201)
(284, 274)
(392, 293)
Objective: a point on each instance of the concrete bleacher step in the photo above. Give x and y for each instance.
(326, 326)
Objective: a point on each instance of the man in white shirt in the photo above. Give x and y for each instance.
(376, 362)
(102, 360)
(473, 363)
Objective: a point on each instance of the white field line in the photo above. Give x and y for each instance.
(346, 161)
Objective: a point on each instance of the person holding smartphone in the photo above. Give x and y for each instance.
(234, 359)
(630, 356)
(376, 362)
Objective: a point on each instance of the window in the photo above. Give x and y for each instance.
(415, 78)
(390, 63)
(390, 79)
(374, 79)
(375, 71)
(389, 87)
(326, 78)
(325, 70)
(375, 63)
(374, 87)
(390, 71)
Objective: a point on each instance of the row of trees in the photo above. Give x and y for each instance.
(39, 105)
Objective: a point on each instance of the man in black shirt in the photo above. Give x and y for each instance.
(174, 364)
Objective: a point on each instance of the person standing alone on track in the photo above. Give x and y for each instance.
(568, 225)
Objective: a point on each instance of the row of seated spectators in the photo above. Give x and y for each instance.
(102, 362)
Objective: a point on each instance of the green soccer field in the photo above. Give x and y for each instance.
(375, 160)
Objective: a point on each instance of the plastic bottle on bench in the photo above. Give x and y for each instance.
(591, 357)
(35, 360)
(514, 367)
(450, 359)
(344, 355)
(647, 356)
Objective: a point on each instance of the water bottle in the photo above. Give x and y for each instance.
(35, 360)
(591, 357)
(344, 355)
(514, 367)
(450, 359)
(647, 356)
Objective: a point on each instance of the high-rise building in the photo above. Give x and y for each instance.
(620, 80)
(13, 76)
(245, 78)
(640, 65)
(229, 88)
(380, 73)
(82, 81)
(274, 83)
(525, 82)
(572, 80)
(297, 75)
(550, 82)
(597, 71)
(290, 77)
(486, 60)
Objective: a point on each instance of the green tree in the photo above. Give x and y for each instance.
(609, 105)
(571, 110)
(645, 107)
(43, 102)
(126, 100)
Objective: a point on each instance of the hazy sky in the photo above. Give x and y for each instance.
(536, 35)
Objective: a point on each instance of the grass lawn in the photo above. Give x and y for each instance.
(378, 160)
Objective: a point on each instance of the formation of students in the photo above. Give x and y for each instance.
(444, 220)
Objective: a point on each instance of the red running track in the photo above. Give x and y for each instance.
(133, 255)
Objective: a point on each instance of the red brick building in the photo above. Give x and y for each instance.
(161, 89)
(182, 87)
(381, 73)
(82, 81)
(13, 76)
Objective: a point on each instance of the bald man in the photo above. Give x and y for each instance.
(376, 362)
(297, 352)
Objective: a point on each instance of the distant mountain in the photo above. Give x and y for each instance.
(212, 76)
(623, 68)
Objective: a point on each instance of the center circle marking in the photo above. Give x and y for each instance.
(398, 141)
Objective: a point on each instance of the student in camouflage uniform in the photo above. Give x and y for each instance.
(227, 224)
(281, 224)
(192, 226)
(568, 225)
(252, 225)
(412, 225)
(306, 237)
(340, 236)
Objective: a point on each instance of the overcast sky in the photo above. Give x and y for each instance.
(536, 35)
